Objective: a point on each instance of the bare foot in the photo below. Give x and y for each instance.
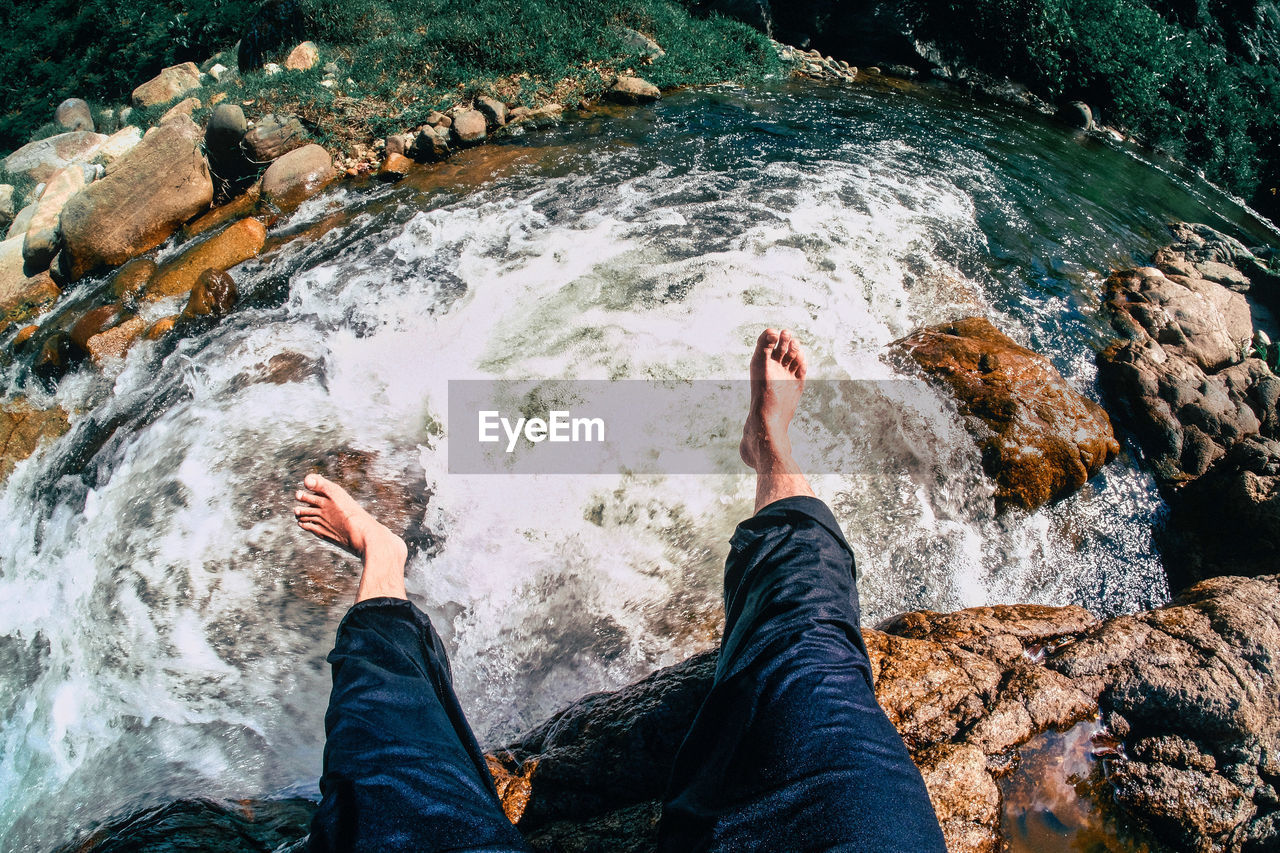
(777, 381)
(326, 510)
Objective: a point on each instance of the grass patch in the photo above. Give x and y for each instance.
(398, 59)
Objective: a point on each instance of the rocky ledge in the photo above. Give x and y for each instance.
(1195, 383)
(1188, 694)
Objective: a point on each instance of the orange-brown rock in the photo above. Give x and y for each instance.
(185, 107)
(302, 57)
(144, 197)
(239, 207)
(22, 428)
(1040, 439)
(161, 327)
(23, 336)
(130, 279)
(167, 85)
(214, 295)
(297, 176)
(95, 322)
(394, 167)
(237, 243)
(116, 341)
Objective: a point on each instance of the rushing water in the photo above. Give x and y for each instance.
(163, 624)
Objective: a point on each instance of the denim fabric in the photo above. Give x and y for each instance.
(790, 750)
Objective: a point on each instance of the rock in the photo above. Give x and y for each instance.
(22, 298)
(297, 176)
(273, 137)
(95, 322)
(7, 206)
(468, 126)
(303, 57)
(57, 357)
(271, 69)
(160, 328)
(495, 112)
(965, 797)
(399, 143)
(23, 337)
(218, 72)
(432, 144)
(143, 199)
(39, 160)
(633, 90)
(44, 234)
(119, 144)
(23, 428)
(394, 167)
(214, 295)
(183, 108)
(641, 44)
(241, 207)
(202, 824)
(74, 114)
(1077, 114)
(173, 82)
(114, 343)
(131, 279)
(232, 171)
(276, 25)
(1040, 439)
(21, 222)
(439, 119)
(517, 114)
(14, 281)
(222, 251)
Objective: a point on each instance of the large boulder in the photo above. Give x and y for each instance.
(74, 114)
(1202, 409)
(297, 176)
(44, 233)
(119, 144)
(40, 159)
(143, 198)
(170, 84)
(1040, 439)
(233, 245)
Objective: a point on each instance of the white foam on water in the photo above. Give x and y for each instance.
(181, 658)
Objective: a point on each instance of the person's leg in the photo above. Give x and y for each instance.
(402, 769)
(790, 750)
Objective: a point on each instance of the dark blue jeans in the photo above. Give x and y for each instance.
(789, 752)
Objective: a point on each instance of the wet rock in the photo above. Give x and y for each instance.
(1203, 412)
(57, 356)
(275, 26)
(73, 114)
(297, 176)
(242, 206)
(1077, 114)
(160, 328)
(143, 199)
(303, 57)
(23, 337)
(1040, 439)
(394, 167)
(23, 428)
(273, 137)
(173, 82)
(130, 280)
(44, 233)
(114, 343)
(236, 244)
(633, 90)
(214, 295)
(495, 112)
(211, 826)
(965, 797)
(469, 126)
(39, 160)
(119, 144)
(185, 107)
(95, 322)
(1005, 633)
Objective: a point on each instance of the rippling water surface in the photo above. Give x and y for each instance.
(164, 625)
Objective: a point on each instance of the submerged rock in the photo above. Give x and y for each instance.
(214, 295)
(22, 429)
(222, 251)
(143, 198)
(1040, 439)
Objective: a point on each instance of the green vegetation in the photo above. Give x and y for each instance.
(403, 58)
(1183, 85)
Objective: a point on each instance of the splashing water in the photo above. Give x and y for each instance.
(165, 624)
